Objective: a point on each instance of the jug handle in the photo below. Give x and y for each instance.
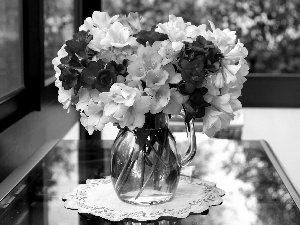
(191, 152)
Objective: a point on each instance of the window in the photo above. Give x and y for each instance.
(15, 88)
(10, 48)
(30, 114)
(59, 26)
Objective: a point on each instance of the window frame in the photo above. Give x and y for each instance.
(36, 92)
(28, 98)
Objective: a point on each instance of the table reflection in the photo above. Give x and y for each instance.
(255, 193)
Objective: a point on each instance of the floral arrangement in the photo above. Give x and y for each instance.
(113, 71)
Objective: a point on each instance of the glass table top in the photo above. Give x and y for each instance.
(257, 189)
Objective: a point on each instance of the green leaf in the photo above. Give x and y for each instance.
(150, 36)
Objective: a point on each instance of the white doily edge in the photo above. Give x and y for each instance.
(72, 204)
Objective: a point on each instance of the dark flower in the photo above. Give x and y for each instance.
(79, 43)
(118, 69)
(194, 71)
(186, 88)
(90, 73)
(68, 77)
(150, 36)
(77, 47)
(71, 59)
(97, 77)
(105, 79)
(196, 60)
(195, 106)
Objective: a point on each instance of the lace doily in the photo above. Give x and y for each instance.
(97, 197)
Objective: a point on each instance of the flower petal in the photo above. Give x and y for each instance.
(139, 120)
(156, 78)
(177, 45)
(175, 104)
(142, 104)
(87, 25)
(101, 19)
(110, 108)
(160, 99)
(222, 103)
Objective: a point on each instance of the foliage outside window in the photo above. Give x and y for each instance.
(59, 26)
(11, 73)
(268, 28)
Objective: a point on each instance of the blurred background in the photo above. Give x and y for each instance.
(31, 33)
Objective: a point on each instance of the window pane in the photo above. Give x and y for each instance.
(11, 76)
(59, 26)
(268, 28)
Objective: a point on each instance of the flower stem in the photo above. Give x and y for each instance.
(121, 179)
(153, 149)
(150, 175)
(142, 170)
(139, 145)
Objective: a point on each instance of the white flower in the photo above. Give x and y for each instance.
(214, 120)
(119, 54)
(102, 20)
(224, 39)
(91, 110)
(64, 96)
(93, 122)
(156, 78)
(151, 58)
(193, 31)
(226, 74)
(84, 99)
(98, 36)
(211, 121)
(136, 70)
(175, 29)
(125, 105)
(135, 115)
(220, 113)
(160, 98)
(173, 77)
(221, 103)
(87, 25)
(146, 59)
(237, 53)
(97, 26)
(210, 85)
(174, 105)
(56, 61)
(118, 36)
(167, 53)
(237, 85)
(242, 72)
(132, 21)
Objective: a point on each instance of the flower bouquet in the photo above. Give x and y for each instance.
(113, 71)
